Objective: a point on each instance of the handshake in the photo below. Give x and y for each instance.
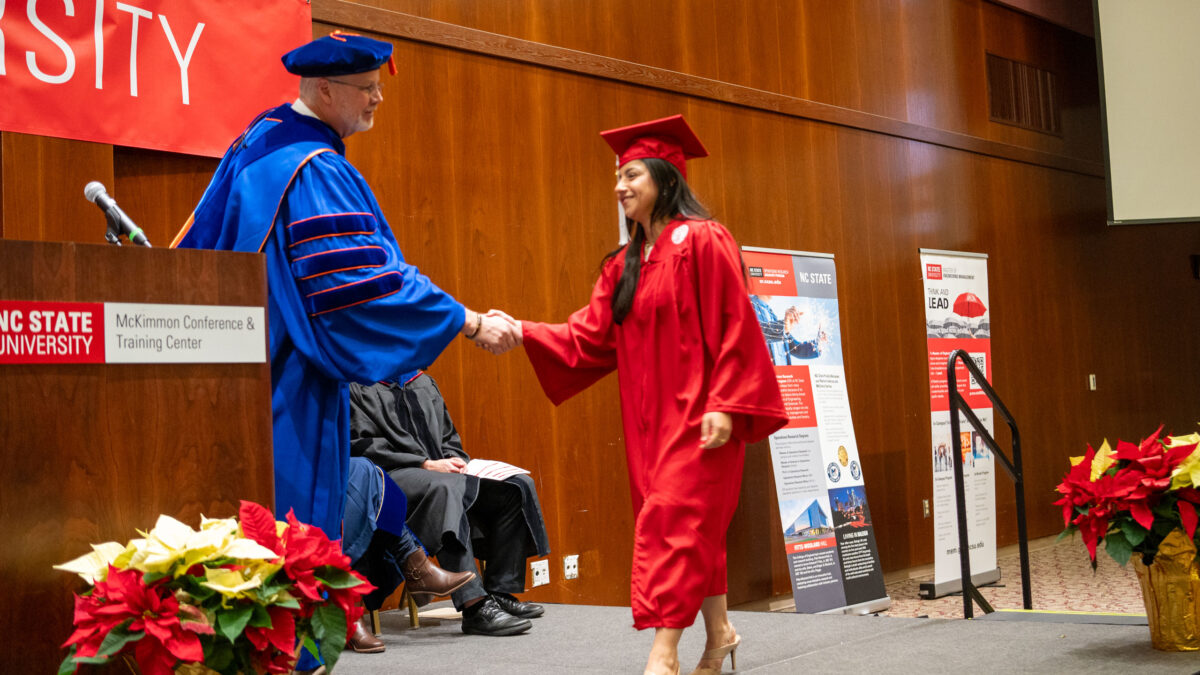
(495, 331)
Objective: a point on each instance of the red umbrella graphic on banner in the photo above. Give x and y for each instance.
(969, 305)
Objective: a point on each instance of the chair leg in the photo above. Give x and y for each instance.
(414, 620)
(376, 629)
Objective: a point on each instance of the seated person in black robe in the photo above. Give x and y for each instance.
(404, 428)
(384, 550)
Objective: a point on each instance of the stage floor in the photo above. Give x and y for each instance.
(587, 639)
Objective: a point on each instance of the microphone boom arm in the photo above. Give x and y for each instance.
(113, 233)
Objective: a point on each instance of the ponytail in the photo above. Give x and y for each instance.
(622, 300)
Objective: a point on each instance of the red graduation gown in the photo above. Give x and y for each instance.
(691, 344)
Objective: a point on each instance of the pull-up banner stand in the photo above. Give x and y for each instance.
(827, 528)
(958, 316)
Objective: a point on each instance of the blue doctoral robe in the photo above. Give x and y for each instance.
(343, 305)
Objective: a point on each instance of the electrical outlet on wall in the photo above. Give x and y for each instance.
(571, 567)
(541, 572)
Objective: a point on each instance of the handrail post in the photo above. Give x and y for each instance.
(960, 494)
(1014, 468)
(1022, 533)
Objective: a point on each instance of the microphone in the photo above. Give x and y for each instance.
(118, 222)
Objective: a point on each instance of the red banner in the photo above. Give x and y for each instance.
(180, 76)
(770, 273)
(980, 351)
(795, 383)
(51, 332)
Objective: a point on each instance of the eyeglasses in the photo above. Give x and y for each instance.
(368, 89)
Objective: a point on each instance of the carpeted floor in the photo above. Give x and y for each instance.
(581, 639)
(578, 639)
(1062, 580)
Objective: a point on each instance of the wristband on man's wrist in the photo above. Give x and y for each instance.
(478, 325)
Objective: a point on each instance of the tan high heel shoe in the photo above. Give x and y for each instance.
(719, 653)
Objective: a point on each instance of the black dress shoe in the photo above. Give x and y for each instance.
(487, 618)
(524, 610)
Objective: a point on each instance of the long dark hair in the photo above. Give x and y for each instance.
(675, 199)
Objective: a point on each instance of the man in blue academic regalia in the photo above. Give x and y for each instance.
(343, 304)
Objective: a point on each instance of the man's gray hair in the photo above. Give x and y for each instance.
(308, 89)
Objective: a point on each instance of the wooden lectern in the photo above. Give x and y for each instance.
(90, 452)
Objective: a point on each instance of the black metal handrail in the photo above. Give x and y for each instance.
(959, 404)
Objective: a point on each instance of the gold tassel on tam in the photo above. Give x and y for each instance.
(1171, 590)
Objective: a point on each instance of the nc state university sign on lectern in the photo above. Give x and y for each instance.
(117, 332)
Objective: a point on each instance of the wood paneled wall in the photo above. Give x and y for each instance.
(856, 127)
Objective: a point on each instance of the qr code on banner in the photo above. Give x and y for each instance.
(980, 359)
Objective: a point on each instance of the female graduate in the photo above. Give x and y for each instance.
(671, 314)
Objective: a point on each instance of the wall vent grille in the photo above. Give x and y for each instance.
(1023, 95)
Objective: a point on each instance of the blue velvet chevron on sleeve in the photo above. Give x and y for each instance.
(331, 225)
(353, 293)
(338, 260)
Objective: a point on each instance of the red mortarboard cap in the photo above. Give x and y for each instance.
(339, 54)
(669, 138)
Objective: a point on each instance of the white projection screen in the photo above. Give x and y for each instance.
(1150, 85)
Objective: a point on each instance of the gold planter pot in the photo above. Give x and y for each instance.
(1171, 591)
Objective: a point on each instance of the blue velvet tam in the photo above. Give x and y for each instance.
(339, 54)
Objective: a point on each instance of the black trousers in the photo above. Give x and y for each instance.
(499, 537)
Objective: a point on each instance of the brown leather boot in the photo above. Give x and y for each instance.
(363, 641)
(424, 578)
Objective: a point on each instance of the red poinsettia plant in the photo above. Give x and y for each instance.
(1133, 496)
(238, 596)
